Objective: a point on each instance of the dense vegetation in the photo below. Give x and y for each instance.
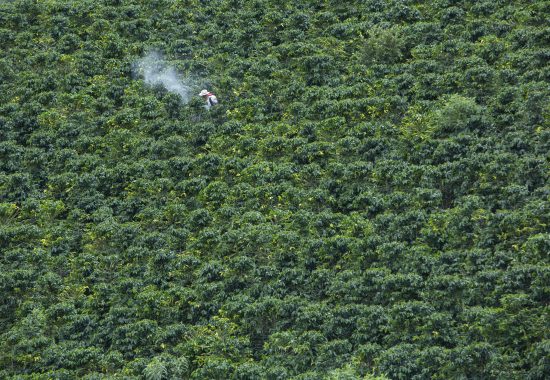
(369, 200)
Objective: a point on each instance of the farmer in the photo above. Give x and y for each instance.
(209, 98)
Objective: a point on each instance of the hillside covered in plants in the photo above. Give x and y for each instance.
(369, 200)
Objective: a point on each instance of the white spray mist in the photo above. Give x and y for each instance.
(155, 71)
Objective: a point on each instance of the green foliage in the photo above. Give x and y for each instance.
(458, 113)
(384, 46)
(369, 200)
(155, 370)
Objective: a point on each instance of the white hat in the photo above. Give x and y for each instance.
(203, 93)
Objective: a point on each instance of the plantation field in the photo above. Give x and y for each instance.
(369, 200)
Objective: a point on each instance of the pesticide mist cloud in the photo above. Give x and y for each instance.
(155, 71)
